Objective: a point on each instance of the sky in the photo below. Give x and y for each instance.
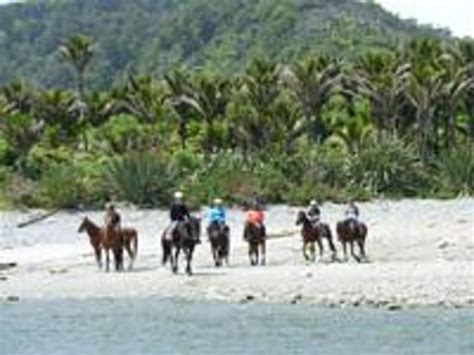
(457, 15)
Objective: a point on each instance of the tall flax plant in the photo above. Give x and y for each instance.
(140, 178)
(456, 169)
(390, 166)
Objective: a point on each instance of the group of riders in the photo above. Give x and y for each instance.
(217, 214)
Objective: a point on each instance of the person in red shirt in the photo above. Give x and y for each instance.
(256, 216)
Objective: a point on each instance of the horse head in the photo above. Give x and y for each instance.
(83, 225)
(301, 218)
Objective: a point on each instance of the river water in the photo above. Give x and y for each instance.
(164, 326)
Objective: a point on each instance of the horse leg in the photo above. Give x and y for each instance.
(305, 254)
(361, 243)
(344, 249)
(118, 258)
(98, 257)
(354, 255)
(312, 249)
(227, 251)
(165, 249)
(176, 256)
(332, 247)
(251, 254)
(320, 246)
(107, 260)
(129, 251)
(257, 254)
(189, 259)
(215, 254)
(263, 246)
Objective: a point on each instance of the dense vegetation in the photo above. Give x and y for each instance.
(393, 122)
(151, 36)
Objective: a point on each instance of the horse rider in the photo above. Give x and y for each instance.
(256, 216)
(352, 214)
(217, 214)
(314, 213)
(112, 217)
(179, 213)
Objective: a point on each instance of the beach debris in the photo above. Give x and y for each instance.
(248, 298)
(296, 299)
(394, 307)
(3, 278)
(443, 244)
(6, 266)
(12, 299)
(55, 271)
(37, 218)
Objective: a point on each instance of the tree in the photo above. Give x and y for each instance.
(384, 80)
(312, 81)
(78, 52)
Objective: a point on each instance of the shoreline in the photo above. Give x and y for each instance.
(417, 260)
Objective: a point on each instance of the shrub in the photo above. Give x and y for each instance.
(226, 174)
(141, 178)
(456, 170)
(60, 187)
(41, 158)
(387, 166)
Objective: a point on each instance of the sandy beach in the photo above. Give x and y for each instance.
(421, 254)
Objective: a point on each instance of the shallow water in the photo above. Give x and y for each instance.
(157, 326)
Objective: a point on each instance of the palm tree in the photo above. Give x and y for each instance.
(55, 108)
(312, 81)
(210, 96)
(466, 47)
(384, 80)
(425, 95)
(456, 82)
(78, 52)
(250, 110)
(181, 99)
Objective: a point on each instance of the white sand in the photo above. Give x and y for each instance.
(421, 254)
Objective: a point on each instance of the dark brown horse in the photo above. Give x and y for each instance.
(183, 236)
(219, 238)
(256, 237)
(314, 233)
(350, 232)
(96, 235)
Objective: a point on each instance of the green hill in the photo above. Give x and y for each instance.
(220, 35)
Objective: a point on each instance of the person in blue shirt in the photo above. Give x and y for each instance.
(217, 213)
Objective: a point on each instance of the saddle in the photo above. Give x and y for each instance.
(353, 224)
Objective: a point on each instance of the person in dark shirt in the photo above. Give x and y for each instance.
(112, 217)
(314, 213)
(179, 213)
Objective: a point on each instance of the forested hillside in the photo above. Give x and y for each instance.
(150, 36)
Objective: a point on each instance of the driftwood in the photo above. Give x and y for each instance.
(283, 234)
(6, 266)
(37, 219)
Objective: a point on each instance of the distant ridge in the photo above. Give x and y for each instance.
(220, 35)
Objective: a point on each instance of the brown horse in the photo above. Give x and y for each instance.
(312, 234)
(349, 231)
(183, 236)
(256, 237)
(96, 235)
(219, 238)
